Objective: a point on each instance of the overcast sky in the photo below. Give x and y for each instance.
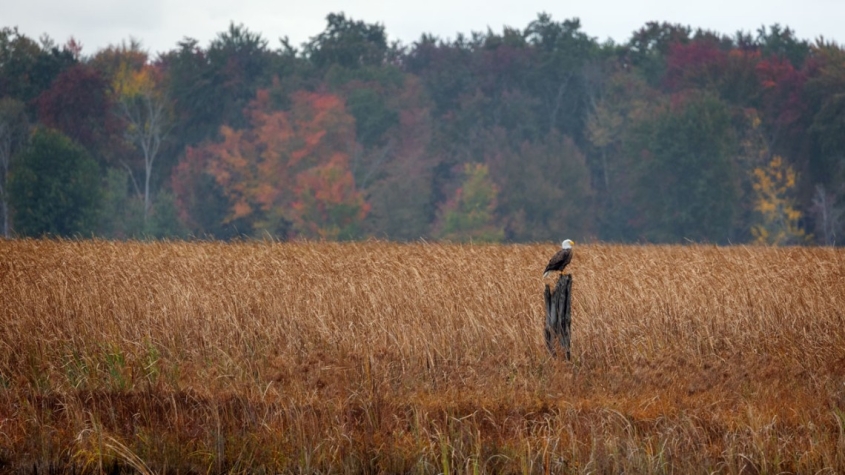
(160, 24)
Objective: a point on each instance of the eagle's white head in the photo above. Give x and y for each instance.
(567, 244)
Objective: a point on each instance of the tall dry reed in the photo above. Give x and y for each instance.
(418, 358)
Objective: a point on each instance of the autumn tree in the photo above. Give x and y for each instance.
(711, 64)
(143, 104)
(202, 206)
(288, 174)
(78, 103)
(111, 61)
(774, 186)
(327, 204)
(668, 127)
(783, 109)
(695, 64)
(397, 173)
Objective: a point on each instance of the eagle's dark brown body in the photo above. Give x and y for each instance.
(560, 259)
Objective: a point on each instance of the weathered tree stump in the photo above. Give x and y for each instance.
(558, 314)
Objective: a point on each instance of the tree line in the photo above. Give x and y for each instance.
(520, 135)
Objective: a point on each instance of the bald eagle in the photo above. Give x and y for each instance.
(560, 259)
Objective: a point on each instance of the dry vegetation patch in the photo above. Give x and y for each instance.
(397, 358)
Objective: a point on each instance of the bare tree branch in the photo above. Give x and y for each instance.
(149, 125)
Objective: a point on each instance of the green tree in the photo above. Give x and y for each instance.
(238, 64)
(54, 187)
(777, 41)
(373, 117)
(470, 214)
(825, 91)
(212, 86)
(557, 78)
(828, 216)
(122, 215)
(164, 220)
(27, 67)
(545, 188)
(444, 68)
(626, 100)
(122, 211)
(650, 45)
(686, 184)
(348, 43)
(13, 135)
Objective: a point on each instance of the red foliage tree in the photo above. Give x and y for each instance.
(188, 188)
(78, 104)
(784, 112)
(782, 84)
(696, 64)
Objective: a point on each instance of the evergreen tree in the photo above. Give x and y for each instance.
(54, 188)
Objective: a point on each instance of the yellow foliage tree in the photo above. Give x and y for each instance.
(146, 110)
(129, 81)
(773, 185)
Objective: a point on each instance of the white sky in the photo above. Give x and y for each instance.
(160, 24)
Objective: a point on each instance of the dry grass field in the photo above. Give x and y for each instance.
(418, 358)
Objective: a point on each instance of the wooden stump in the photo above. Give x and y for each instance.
(558, 314)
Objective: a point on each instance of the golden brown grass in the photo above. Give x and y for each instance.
(418, 358)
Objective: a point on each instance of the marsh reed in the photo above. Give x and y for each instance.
(375, 357)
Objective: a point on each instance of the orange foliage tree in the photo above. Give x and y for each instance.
(289, 172)
(327, 204)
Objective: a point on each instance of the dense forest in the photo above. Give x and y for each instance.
(523, 135)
